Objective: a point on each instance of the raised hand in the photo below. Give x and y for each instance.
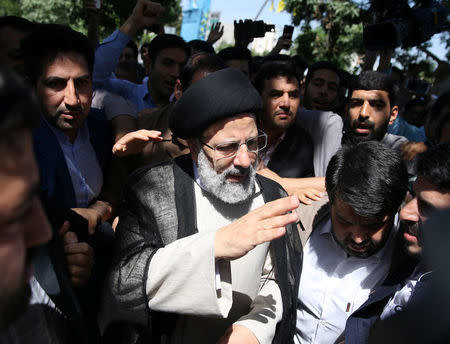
(216, 33)
(259, 226)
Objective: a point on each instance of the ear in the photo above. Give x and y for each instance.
(193, 148)
(394, 114)
(177, 89)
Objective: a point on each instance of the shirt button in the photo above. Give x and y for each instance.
(322, 322)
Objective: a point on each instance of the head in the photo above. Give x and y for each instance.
(12, 31)
(321, 86)
(216, 116)
(129, 53)
(300, 67)
(23, 224)
(370, 107)
(58, 64)
(130, 70)
(197, 67)
(198, 46)
(279, 88)
(431, 193)
(366, 184)
(144, 56)
(237, 57)
(415, 112)
(167, 55)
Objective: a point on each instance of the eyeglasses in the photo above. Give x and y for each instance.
(230, 149)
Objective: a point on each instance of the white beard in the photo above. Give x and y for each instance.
(218, 186)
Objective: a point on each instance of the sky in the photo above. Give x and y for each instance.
(247, 9)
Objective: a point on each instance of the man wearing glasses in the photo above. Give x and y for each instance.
(195, 260)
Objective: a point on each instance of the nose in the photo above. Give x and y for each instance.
(71, 94)
(364, 111)
(242, 157)
(410, 212)
(285, 102)
(37, 229)
(358, 235)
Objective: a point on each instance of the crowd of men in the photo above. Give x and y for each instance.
(215, 198)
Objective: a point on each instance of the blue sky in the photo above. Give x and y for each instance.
(247, 9)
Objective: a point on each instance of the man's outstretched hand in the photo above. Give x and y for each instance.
(134, 142)
(259, 226)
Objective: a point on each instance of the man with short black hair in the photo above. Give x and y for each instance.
(410, 278)
(237, 57)
(167, 55)
(12, 30)
(348, 243)
(289, 151)
(321, 87)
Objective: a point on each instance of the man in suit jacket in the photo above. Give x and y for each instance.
(195, 260)
(407, 281)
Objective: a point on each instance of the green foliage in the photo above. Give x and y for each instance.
(331, 30)
(70, 12)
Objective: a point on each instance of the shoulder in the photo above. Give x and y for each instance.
(394, 141)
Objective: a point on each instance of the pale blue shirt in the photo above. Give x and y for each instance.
(107, 56)
(82, 163)
(411, 132)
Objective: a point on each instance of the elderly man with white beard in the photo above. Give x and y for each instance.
(207, 249)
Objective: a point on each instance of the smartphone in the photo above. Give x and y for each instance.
(288, 30)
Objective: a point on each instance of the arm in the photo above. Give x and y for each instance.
(145, 13)
(305, 189)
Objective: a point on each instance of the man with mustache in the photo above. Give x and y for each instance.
(289, 151)
(348, 242)
(371, 108)
(195, 260)
(411, 276)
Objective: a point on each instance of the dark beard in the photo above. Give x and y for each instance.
(376, 134)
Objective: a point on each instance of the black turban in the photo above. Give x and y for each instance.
(222, 94)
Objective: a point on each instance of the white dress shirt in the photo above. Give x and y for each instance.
(84, 169)
(334, 284)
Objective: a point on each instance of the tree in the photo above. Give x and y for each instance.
(70, 12)
(331, 30)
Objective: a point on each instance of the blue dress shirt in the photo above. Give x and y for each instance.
(107, 55)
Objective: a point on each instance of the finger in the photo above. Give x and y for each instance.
(64, 228)
(312, 195)
(79, 248)
(80, 260)
(278, 207)
(70, 238)
(304, 199)
(269, 235)
(78, 272)
(279, 221)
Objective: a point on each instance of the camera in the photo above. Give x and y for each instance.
(252, 29)
(399, 24)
